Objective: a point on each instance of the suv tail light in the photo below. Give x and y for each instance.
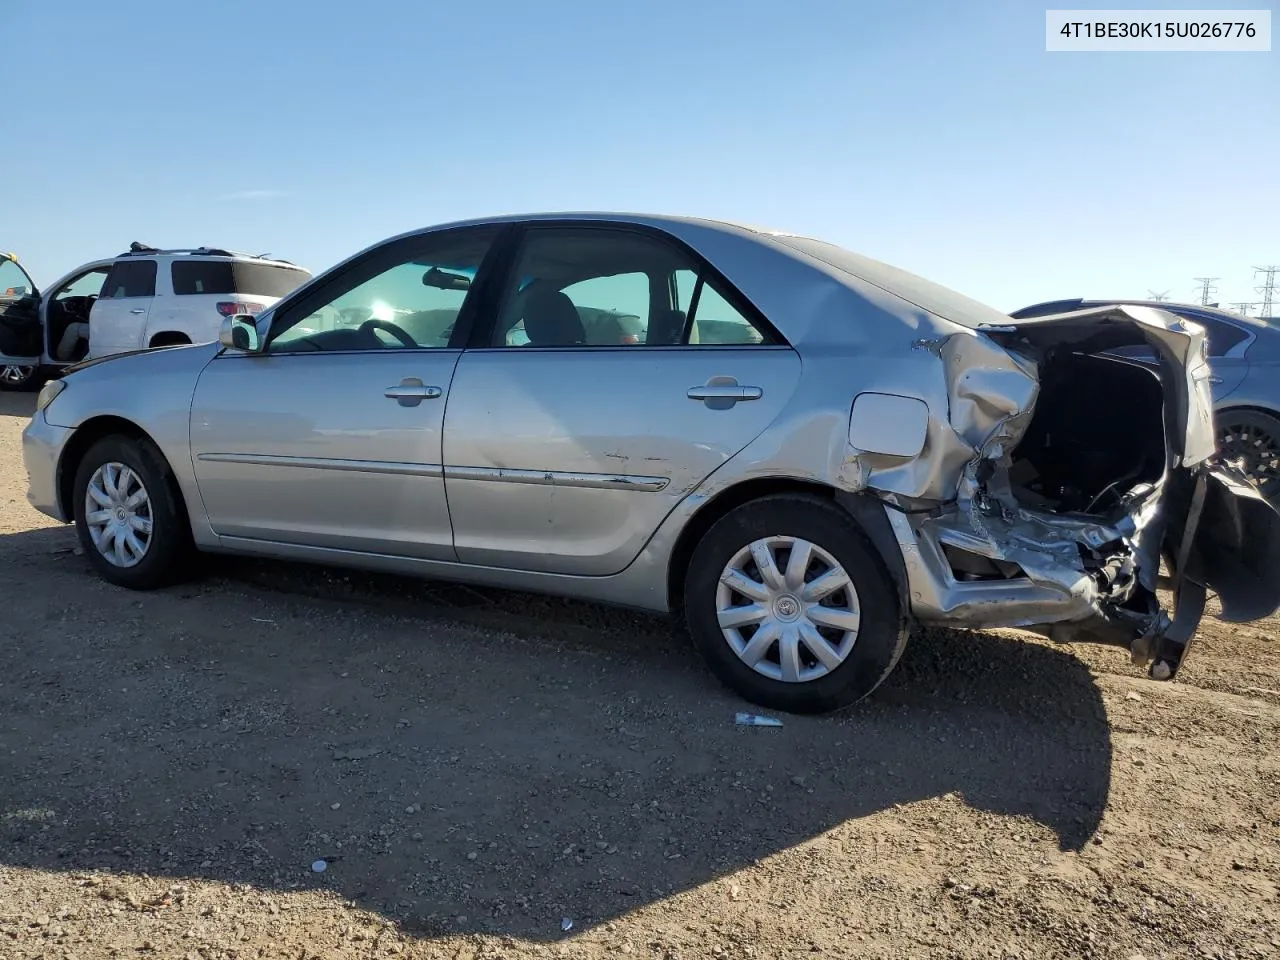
(229, 308)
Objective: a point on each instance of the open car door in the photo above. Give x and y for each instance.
(21, 342)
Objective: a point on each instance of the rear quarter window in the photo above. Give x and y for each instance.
(198, 277)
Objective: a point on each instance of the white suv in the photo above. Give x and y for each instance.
(143, 298)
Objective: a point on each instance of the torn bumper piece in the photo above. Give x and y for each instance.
(999, 556)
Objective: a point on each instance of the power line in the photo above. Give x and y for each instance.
(1268, 288)
(1207, 289)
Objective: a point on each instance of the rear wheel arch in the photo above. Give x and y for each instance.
(168, 338)
(865, 513)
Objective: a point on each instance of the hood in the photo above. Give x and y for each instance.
(91, 362)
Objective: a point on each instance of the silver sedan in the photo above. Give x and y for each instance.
(803, 450)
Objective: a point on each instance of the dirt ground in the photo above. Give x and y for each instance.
(477, 770)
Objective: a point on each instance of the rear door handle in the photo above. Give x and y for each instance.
(137, 310)
(721, 393)
(411, 391)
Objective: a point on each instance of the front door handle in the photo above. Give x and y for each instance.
(137, 310)
(721, 393)
(411, 391)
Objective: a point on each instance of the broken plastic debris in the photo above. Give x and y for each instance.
(320, 866)
(756, 720)
(566, 924)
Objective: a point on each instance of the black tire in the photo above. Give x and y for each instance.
(882, 630)
(20, 376)
(168, 555)
(1253, 438)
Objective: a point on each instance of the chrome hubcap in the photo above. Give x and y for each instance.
(14, 373)
(787, 609)
(117, 511)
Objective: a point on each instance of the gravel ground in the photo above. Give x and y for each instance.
(477, 770)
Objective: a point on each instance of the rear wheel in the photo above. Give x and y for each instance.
(129, 518)
(19, 376)
(1251, 439)
(791, 606)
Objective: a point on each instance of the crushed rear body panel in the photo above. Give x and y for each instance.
(1076, 474)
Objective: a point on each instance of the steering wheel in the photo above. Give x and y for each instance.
(373, 323)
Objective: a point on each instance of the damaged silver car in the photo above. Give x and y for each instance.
(802, 450)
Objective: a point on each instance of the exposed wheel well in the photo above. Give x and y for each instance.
(169, 338)
(85, 436)
(873, 522)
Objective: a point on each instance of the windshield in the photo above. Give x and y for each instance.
(925, 294)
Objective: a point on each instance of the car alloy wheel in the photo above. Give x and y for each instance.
(1251, 440)
(14, 375)
(788, 609)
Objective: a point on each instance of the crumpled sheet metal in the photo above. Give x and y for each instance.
(1057, 588)
(990, 396)
(991, 391)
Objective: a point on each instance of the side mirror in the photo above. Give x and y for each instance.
(239, 333)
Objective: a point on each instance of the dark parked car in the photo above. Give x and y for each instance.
(1244, 353)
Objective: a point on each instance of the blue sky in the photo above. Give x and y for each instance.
(938, 136)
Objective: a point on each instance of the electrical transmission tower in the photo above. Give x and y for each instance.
(1243, 308)
(1268, 288)
(1207, 289)
(1158, 296)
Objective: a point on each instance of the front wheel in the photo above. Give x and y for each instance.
(129, 518)
(791, 606)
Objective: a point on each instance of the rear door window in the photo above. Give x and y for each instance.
(130, 278)
(195, 277)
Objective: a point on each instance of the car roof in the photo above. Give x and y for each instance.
(143, 250)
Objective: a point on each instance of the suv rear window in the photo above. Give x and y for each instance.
(191, 277)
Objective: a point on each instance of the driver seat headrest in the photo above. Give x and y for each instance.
(551, 320)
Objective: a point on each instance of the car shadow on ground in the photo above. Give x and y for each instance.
(17, 403)
(473, 761)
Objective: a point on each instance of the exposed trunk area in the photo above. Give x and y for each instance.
(1096, 433)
